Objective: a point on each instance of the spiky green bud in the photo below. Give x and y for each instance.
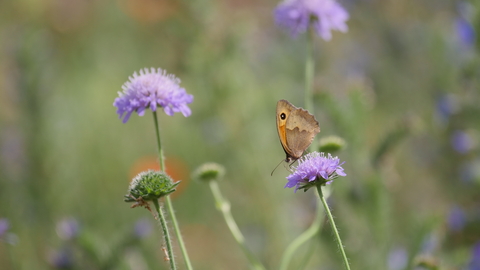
(150, 185)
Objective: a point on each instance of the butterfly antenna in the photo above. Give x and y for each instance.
(276, 167)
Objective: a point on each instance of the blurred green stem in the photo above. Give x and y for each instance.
(309, 73)
(168, 242)
(224, 206)
(304, 237)
(168, 201)
(334, 227)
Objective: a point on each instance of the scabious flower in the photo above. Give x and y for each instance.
(208, 172)
(474, 263)
(4, 225)
(150, 185)
(461, 142)
(315, 169)
(152, 89)
(324, 15)
(68, 228)
(457, 219)
(142, 228)
(397, 258)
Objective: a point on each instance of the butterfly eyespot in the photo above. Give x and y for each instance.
(283, 116)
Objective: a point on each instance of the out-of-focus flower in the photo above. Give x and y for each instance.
(152, 89)
(461, 142)
(447, 105)
(474, 263)
(331, 144)
(208, 172)
(324, 15)
(68, 228)
(397, 258)
(142, 228)
(4, 225)
(61, 259)
(315, 169)
(465, 33)
(430, 243)
(149, 11)
(456, 219)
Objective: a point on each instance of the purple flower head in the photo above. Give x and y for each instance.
(142, 228)
(457, 219)
(61, 259)
(397, 258)
(314, 168)
(152, 89)
(461, 142)
(475, 260)
(4, 225)
(447, 105)
(68, 228)
(324, 15)
(465, 33)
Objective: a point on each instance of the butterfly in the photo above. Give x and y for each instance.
(296, 129)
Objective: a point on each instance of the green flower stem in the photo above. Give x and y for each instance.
(168, 201)
(168, 242)
(304, 237)
(334, 227)
(309, 73)
(224, 206)
(159, 143)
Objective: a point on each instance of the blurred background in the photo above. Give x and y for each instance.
(401, 88)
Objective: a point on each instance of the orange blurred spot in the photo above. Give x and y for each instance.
(148, 11)
(174, 167)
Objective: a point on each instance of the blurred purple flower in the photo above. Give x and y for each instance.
(61, 259)
(447, 105)
(475, 261)
(68, 228)
(397, 258)
(324, 15)
(4, 225)
(142, 228)
(456, 219)
(461, 142)
(314, 168)
(465, 33)
(430, 243)
(152, 89)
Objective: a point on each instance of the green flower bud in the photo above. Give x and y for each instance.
(209, 171)
(331, 144)
(150, 185)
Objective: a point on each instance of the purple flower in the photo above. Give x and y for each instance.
(461, 142)
(4, 225)
(68, 228)
(475, 261)
(447, 105)
(152, 89)
(314, 168)
(457, 219)
(61, 259)
(142, 228)
(324, 15)
(397, 258)
(465, 33)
